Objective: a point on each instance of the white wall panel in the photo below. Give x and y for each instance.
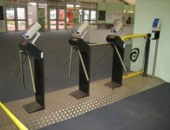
(146, 11)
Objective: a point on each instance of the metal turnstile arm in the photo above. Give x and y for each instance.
(120, 59)
(21, 69)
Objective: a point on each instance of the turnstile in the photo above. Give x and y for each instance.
(28, 49)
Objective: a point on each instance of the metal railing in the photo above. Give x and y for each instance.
(147, 36)
(134, 36)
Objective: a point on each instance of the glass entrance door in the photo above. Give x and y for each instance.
(89, 15)
(61, 19)
(10, 18)
(32, 13)
(15, 18)
(20, 18)
(86, 15)
(53, 19)
(57, 19)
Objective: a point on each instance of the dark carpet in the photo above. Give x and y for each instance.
(56, 49)
(149, 110)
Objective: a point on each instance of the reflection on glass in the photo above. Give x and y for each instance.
(61, 24)
(70, 5)
(80, 15)
(32, 13)
(92, 21)
(52, 24)
(86, 21)
(21, 25)
(21, 13)
(42, 5)
(11, 25)
(86, 14)
(61, 14)
(93, 15)
(53, 14)
(10, 13)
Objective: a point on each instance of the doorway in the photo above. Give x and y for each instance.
(32, 13)
(37, 11)
(15, 18)
(89, 15)
(57, 18)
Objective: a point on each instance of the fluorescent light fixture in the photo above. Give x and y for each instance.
(32, 4)
(132, 2)
(70, 5)
(78, 6)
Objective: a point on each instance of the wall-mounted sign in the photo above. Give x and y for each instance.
(134, 54)
(102, 15)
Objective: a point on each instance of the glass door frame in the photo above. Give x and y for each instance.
(50, 20)
(89, 19)
(57, 20)
(15, 19)
(62, 20)
(36, 6)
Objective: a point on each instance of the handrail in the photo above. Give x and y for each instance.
(13, 118)
(132, 74)
(133, 36)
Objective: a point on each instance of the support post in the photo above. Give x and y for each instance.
(156, 37)
(147, 48)
(39, 103)
(39, 81)
(84, 67)
(117, 68)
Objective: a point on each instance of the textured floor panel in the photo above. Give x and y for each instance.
(5, 122)
(60, 105)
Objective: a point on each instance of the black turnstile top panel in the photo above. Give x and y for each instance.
(115, 40)
(80, 43)
(29, 48)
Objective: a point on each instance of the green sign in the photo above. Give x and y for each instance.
(76, 16)
(41, 18)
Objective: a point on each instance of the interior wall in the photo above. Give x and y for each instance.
(129, 11)
(113, 11)
(146, 11)
(1, 2)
